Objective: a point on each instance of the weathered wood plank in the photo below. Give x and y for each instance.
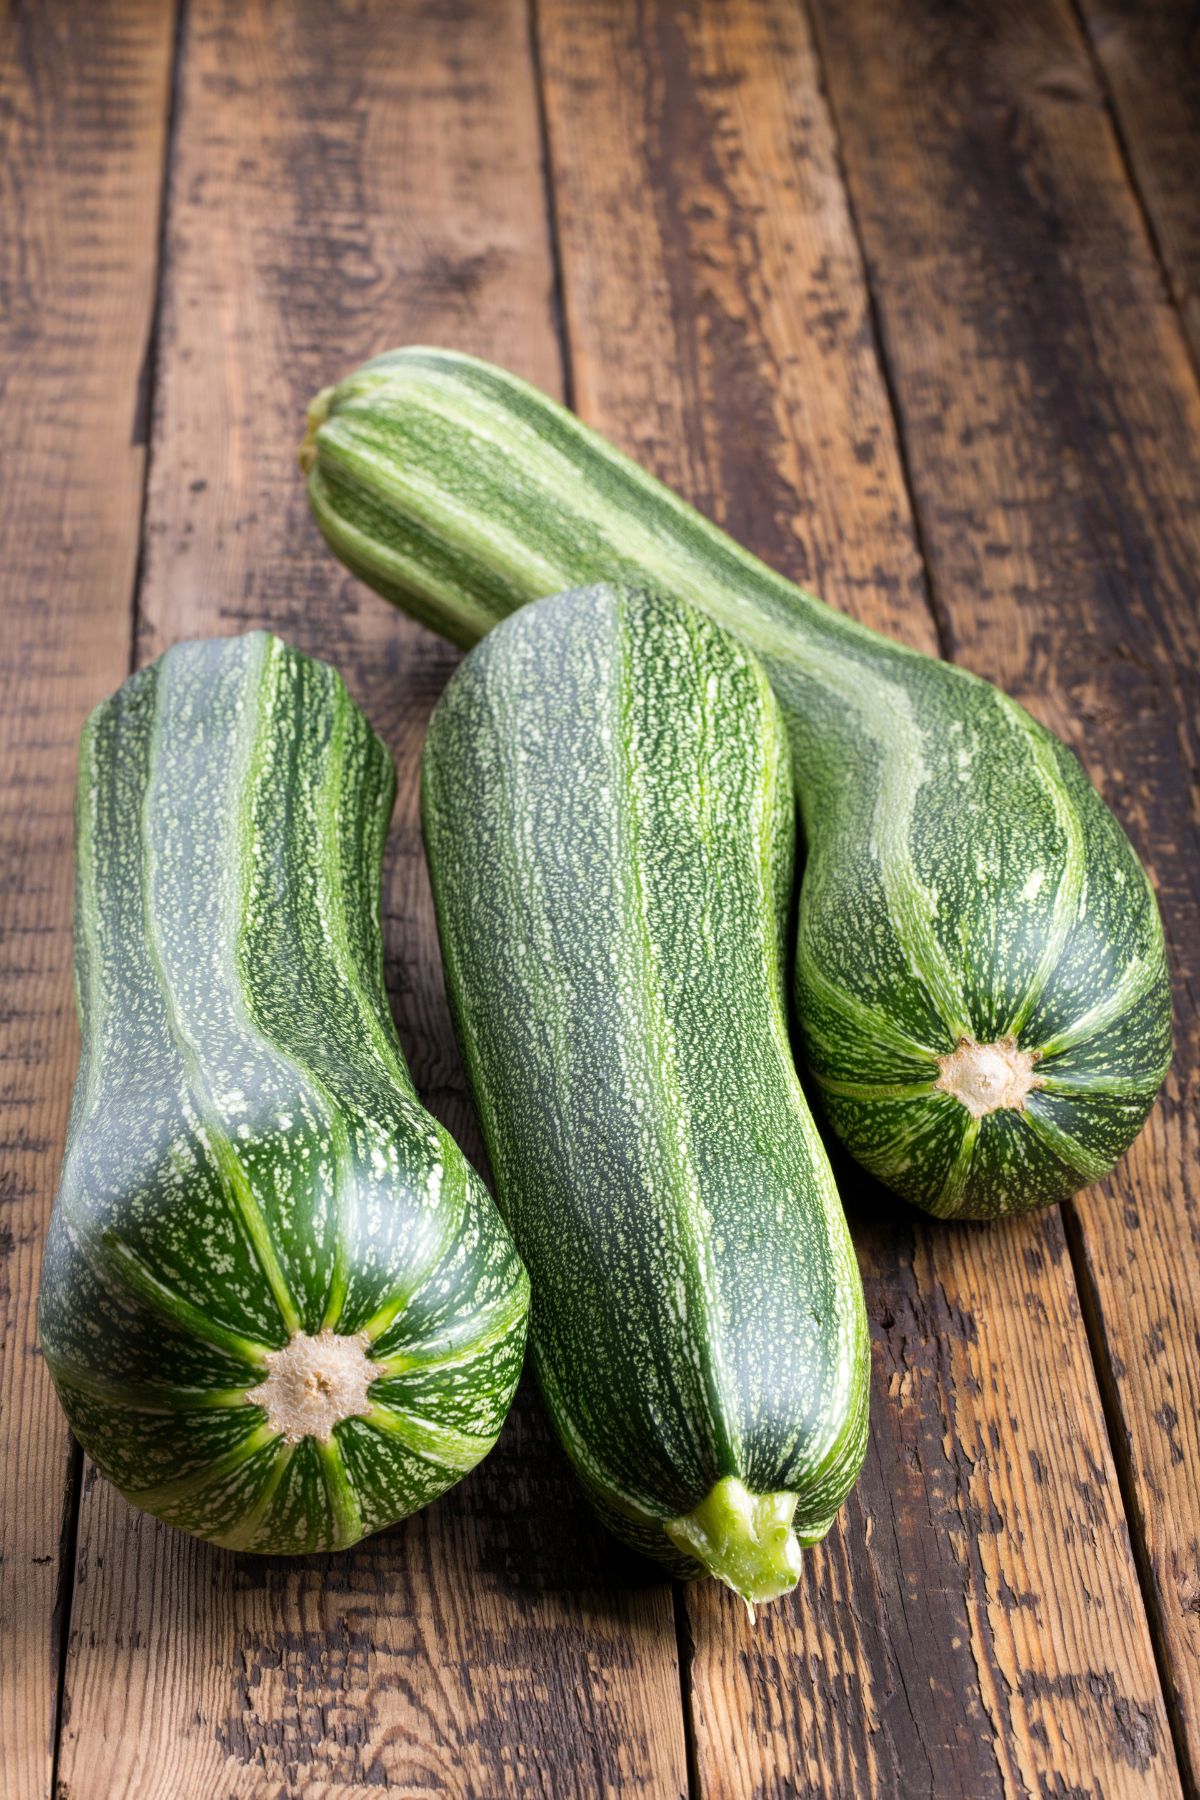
(83, 101)
(1149, 53)
(1052, 425)
(974, 1624)
(345, 179)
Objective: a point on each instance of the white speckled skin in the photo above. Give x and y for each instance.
(248, 1164)
(608, 815)
(964, 882)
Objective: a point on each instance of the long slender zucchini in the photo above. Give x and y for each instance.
(981, 983)
(608, 816)
(279, 1307)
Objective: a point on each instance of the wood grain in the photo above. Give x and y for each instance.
(344, 179)
(1149, 54)
(974, 1624)
(1052, 426)
(83, 100)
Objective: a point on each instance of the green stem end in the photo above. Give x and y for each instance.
(746, 1540)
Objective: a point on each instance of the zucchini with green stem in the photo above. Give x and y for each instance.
(981, 985)
(278, 1305)
(609, 823)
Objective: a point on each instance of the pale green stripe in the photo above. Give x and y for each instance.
(86, 915)
(890, 1154)
(863, 1090)
(439, 1444)
(873, 1025)
(1134, 984)
(952, 1189)
(1070, 886)
(851, 1321)
(451, 523)
(170, 1493)
(237, 1184)
(145, 1396)
(404, 1362)
(885, 712)
(452, 1163)
(329, 889)
(343, 1501)
(661, 1062)
(332, 894)
(212, 1133)
(1137, 1086)
(392, 569)
(125, 1266)
(1072, 1152)
(243, 1534)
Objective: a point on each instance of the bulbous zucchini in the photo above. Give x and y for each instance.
(609, 823)
(279, 1307)
(981, 984)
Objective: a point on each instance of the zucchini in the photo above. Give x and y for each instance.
(609, 824)
(279, 1307)
(980, 978)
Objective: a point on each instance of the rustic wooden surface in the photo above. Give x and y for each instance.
(1148, 53)
(902, 295)
(82, 141)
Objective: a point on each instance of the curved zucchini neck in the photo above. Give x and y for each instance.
(213, 1293)
(460, 493)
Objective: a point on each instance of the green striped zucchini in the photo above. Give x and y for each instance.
(609, 824)
(279, 1307)
(981, 984)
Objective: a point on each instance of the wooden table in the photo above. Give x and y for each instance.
(907, 295)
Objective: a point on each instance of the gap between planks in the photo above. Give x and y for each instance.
(1161, 224)
(148, 378)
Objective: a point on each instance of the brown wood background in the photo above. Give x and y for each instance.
(905, 293)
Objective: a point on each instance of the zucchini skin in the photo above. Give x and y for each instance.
(607, 806)
(980, 975)
(255, 1213)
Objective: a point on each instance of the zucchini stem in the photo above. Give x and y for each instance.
(746, 1540)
